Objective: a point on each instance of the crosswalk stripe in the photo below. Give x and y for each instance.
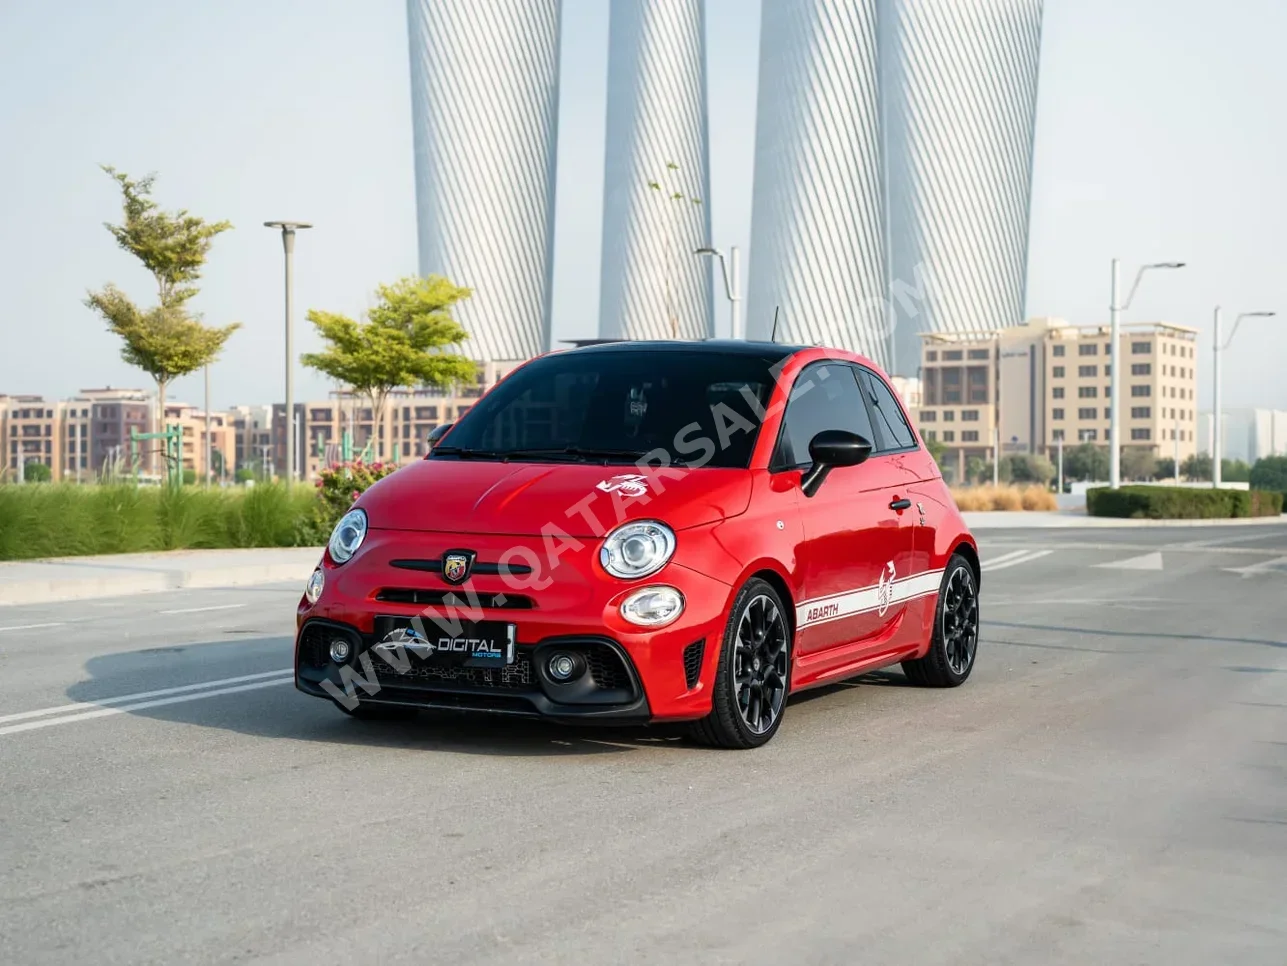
(991, 561)
(1016, 561)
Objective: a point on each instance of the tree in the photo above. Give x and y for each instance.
(401, 343)
(244, 474)
(1269, 473)
(976, 468)
(1165, 468)
(1029, 468)
(37, 473)
(166, 341)
(1197, 467)
(1086, 461)
(1138, 463)
(1235, 471)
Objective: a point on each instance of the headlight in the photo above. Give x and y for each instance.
(347, 536)
(636, 550)
(313, 589)
(653, 606)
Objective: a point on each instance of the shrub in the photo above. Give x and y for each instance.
(1010, 498)
(36, 473)
(338, 487)
(1269, 473)
(1181, 503)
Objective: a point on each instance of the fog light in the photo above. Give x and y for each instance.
(562, 667)
(340, 650)
(653, 606)
(313, 589)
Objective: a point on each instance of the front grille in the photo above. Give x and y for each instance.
(449, 598)
(516, 676)
(693, 662)
(606, 668)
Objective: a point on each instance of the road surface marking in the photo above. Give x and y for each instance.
(1277, 566)
(991, 561)
(140, 695)
(141, 705)
(30, 627)
(1148, 561)
(1013, 561)
(201, 610)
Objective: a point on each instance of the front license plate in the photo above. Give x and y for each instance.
(465, 644)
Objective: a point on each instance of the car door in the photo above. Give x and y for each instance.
(852, 542)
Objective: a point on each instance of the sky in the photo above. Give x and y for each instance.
(1161, 136)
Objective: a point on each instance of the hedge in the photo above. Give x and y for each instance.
(1181, 503)
(65, 519)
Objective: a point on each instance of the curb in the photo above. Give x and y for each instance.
(1020, 520)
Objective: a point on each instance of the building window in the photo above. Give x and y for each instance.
(1087, 371)
(949, 415)
(969, 415)
(1057, 372)
(1088, 349)
(1085, 413)
(1057, 392)
(952, 355)
(1088, 392)
(1141, 412)
(928, 416)
(1087, 435)
(1141, 433)
(951, 386)
(931, 434)
(1139, 391)
(931, 355)
(978, 354)
(970, 436)
(949, 436)
(1142, 369)
(1056, 414)
(978, 384)
(1141, 348)
(1057, 350)
(1057, 435)
(929, 387)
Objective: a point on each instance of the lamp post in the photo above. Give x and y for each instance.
(729, 268)
(1217, 432)
(288, 229)
(1115, 308)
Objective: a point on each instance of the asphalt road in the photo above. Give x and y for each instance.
(1109, 787)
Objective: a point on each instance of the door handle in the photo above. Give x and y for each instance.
(900, 504)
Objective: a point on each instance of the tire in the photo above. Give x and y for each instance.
(954, 644)
(738, 681)
(378, 712)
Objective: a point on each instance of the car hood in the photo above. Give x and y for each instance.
(578, 499)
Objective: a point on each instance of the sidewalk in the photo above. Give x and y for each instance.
(1050, 519)
(78, 578)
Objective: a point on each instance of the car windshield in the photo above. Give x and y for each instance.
(702, 408)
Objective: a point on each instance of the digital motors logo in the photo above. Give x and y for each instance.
(885, 589)
(627, 484)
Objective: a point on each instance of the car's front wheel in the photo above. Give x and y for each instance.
(955, 640)
(754, 672)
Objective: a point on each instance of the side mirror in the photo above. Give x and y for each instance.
(829, 449)
(436, 434)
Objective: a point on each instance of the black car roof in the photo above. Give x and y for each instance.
(762, 350)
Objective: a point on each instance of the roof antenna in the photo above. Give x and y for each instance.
(774, 336)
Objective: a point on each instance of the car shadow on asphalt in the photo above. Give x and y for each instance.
(1080, 632)
(278, 711)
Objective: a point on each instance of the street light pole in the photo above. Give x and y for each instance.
(729, 269)
(288, 229)
(1115, 310)
(209, 446)
(1217, 430)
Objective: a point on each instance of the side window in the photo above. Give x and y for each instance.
(892, 428)
(825, 396)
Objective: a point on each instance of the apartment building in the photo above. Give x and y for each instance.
(192, 427)
(252, 438)
(1028, 388)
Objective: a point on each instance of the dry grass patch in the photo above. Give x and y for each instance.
(1012, 498)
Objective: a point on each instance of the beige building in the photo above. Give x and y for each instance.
(1032, 386)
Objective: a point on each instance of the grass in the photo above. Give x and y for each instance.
(1014, 498)
(64, 520)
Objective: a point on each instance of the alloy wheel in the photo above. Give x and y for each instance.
(760, 664)
(960, 620)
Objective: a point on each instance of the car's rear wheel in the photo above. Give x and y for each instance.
(754, 672)
(955, 641)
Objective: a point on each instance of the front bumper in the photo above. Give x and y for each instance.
(632, 674)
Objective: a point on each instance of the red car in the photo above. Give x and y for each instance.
(648, 532)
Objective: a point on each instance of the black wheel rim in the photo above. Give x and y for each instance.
(960, 620)
(760, 664)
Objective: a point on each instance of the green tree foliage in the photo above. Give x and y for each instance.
(1165, 468)
(244, 474)
(37, 473)
(1197, 467)
(166, 341)
(1138, 463)
(1270, 473)
(976, 469)
(1235, 471)
(1086, 461)
(1028, 468)
(402, 343)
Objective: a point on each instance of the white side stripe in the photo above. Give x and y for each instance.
(987, 568)
(866, 599)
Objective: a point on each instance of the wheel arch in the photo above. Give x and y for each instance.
(971, 554)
